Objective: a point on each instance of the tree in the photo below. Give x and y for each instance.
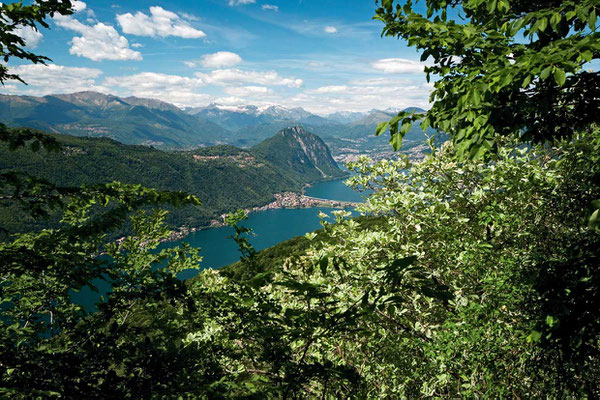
(16, 16)
(501, 68)
(50, 344)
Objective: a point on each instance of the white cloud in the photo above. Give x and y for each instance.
(380, 82)
(332, 89)
(270, 7)
(398, 66)
(52, 78)
(354, 97)
(79, 6)
(97, 42)
(237, 76)
(220, 59)
(179, 90)
(149, 81)
(330, 29)
(234, 3)
(137, 45)
(247, 91)
(189, 17)
(160, 22)
(31, 36)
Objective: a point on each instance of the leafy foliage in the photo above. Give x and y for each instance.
(467, 279)
(14, 16)
(502, 68)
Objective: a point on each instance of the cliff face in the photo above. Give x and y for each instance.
(301, 151)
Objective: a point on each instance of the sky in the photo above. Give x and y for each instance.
(322, 55)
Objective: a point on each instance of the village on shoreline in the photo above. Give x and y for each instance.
(282, 200)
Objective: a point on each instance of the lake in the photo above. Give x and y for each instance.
(270, 227)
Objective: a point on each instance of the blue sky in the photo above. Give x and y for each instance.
(322, 55)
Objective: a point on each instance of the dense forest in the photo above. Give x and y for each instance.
(223, 178)
(473, 273)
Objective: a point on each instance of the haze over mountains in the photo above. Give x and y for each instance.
(155, 123)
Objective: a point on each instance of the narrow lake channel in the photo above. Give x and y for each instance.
(270, 227)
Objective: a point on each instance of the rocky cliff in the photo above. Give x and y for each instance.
(301, 151)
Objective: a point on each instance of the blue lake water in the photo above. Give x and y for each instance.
(335, 190)
(270, 227)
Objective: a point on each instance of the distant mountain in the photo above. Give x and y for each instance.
(346, 117)
(152, 122)
(415, 109)
(129, 120)
(229, 118)
(234, 118)
(374, 117)
(300, 151)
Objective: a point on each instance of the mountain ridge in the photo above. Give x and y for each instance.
(300, 151)
(152, 122)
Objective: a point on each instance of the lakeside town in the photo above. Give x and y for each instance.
(282, 200)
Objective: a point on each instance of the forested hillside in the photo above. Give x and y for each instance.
(224, 178)
(300, 151)
(473, 272)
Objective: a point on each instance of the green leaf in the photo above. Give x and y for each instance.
(546, 72)
(592, 20)
(559, 76)
(594, 220)
(396, 141)
(534, 336)
(406, 127)
(323, 264)
(381, 128)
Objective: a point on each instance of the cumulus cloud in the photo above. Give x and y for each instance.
(270, 7)
(151, 81)
(332, 89)
(391, 81)
(244, 91)
(363, 97)
(31, 36)
(398, 66)
(176, 89)
(52, 78)
(234, 3)
(330, 29)
(160, 22)
(79, 6)
(220, 59)
(236, 76)
(97, 42)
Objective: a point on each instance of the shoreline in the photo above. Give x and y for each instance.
(284, 200)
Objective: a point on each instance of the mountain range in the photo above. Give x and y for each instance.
(151, 122)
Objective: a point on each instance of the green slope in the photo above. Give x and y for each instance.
(300, 152)
(223, 177)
